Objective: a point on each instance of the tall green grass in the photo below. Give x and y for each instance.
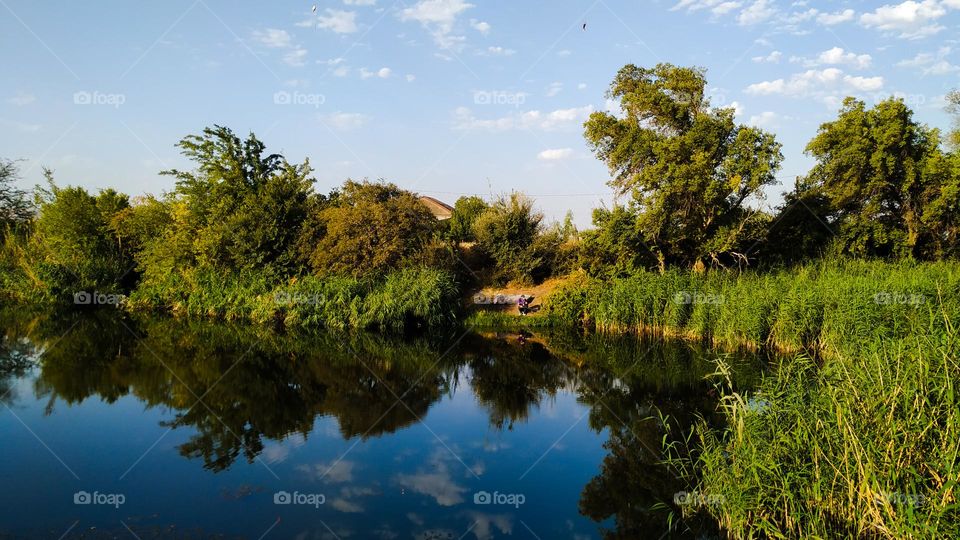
(864, 447)
(830, 306)
(401, 300)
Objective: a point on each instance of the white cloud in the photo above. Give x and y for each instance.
(837, 56)
(820, 84)
(830, 19)
(273, 38)
(280, 39)
(464, 119)
(582, 86)
(22, 99)
(338, 21)
(772, 58)
(480, 26)
(758, 12)
(908, 20)
(439, 17)
(555, 154)
(383, 73)
(554, 89)
(297, 57)
(766, 120)
(499, 51)
(411, 78)
(345, 121)
(338, 472)
(359, 2)
(932, 64)
(942, 67)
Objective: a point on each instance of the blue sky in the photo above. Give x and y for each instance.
(444, 97)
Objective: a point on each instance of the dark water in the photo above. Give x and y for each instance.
(158, 428)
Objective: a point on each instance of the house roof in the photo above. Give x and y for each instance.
(440, 210)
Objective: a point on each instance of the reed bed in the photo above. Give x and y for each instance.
(402, 300)
(829, 307)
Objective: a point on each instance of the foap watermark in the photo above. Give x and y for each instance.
(115, 500)
(685, 297)
(695, 498)
(499, 97)
(284, 97)
(86, 298)
(901, 499)
(911, 100)
(97, 97)
(899, 299)
(495, 299)
(510, 499)
(303, 499)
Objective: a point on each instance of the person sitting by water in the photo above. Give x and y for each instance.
(523, 305)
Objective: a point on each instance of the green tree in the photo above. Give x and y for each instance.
(73, 247)
(506, 232)
(614, 247)
(953, 107)
(465, 213)
(689, 167)
(371, 228)
(882, 174)
(15, 207)
(241, 210)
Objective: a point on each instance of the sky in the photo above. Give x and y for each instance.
(442, 97)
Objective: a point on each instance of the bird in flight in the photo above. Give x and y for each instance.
(584, 26)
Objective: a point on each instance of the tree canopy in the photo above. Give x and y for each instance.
(888, 185)
(688, 167)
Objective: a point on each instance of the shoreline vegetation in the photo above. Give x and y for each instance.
(855, 275)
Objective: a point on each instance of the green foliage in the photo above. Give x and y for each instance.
(74, 247)
(507, 233)
(465, 213)
(370, 229)
(15, 207)
(880, 173)
(401, 300)
(240, 210)
(834, 306)
(953, 107)
(688, 167)
(615, 247)
(864, 447)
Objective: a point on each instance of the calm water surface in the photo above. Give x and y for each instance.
(158, 428)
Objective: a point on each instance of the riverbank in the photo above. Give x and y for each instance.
(402, 300)
(854, 438)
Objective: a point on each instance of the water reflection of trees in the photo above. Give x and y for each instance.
(235, 387)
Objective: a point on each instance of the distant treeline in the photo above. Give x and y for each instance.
(242, 220)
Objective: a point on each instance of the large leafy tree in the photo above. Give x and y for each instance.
(889, 188)
(240, 210)
(369, 228)
(689, 167)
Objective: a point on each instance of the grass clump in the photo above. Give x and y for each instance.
(401, 300)
(865, 446)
